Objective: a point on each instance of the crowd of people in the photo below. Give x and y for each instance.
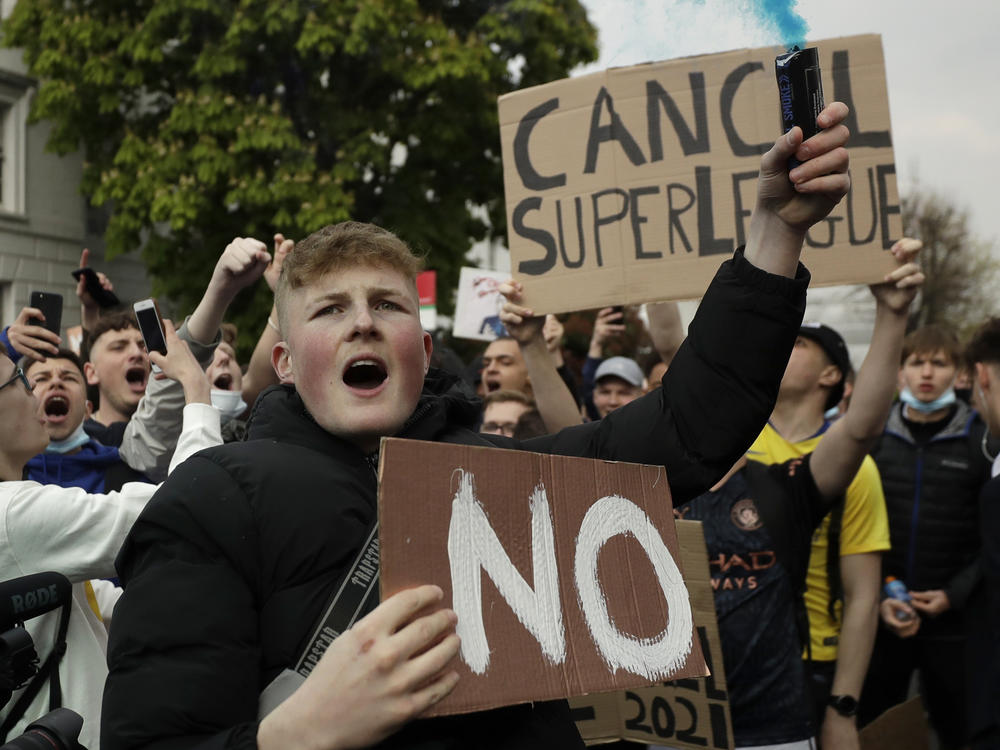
(206, 513)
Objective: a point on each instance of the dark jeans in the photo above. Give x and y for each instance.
(940, 660)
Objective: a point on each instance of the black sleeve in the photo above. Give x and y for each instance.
(719, 390)
(183, 652)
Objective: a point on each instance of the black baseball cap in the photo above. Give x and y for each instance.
(835, 348)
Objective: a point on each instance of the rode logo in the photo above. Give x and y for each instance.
(37, 598)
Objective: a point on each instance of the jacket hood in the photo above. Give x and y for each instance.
(446, 402)
(85, 469)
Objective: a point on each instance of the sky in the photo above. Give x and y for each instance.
(941, 59)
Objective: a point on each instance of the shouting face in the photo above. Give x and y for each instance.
(355, 351)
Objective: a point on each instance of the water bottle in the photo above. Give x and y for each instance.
(896, 589)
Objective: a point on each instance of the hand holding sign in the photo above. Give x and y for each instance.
(386, 670)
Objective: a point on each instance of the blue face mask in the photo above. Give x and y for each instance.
(926, 407)
(74, 441)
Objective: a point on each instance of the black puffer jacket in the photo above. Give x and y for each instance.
(233, 560)
(931, 494)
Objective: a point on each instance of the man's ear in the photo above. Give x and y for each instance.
(830, 376)
(428, 350)
(91, 374)
(281, 361)
(982, 377)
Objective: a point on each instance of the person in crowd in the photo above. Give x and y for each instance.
(983, 356)
(608, 325)
(530, 425)
(72, 458)
(248, 576)
(617, 381)
(504, 367)
(933, 466)
(842, 584)
(118, 370)
(501, 411)
(766, 513)
(76, 533)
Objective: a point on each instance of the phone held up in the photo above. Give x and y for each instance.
(51, 305)
(147, 315)
(100, 295)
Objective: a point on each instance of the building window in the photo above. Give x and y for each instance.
(13, 123)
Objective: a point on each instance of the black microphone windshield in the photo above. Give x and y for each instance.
(29, 596)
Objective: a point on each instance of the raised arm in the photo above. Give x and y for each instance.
(241, 264)
(840, 452)
(666, 330)
(260, 374)
(552, 396)
(152, 433)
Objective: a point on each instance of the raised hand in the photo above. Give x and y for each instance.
(902, 284)
(809, 192)
(30, 340)
(521, 322)
(242, 262)
(282, 247)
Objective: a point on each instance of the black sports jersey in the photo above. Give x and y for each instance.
(755, 599)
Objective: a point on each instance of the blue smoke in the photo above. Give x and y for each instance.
(781, 14)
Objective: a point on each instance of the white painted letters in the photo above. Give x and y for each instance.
(473, 545)
(654, 658)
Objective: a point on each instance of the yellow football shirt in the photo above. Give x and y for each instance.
(864, 528)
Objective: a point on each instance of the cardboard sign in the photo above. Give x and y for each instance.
(564, 572)
(691, 713)
(478, 304)
(901, 726)
(633, 184)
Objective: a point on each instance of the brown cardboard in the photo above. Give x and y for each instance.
(902, 726)
(692, 179)
(422, 489)
(692, 713)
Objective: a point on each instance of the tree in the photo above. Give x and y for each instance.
(202, 120)
(961, 269)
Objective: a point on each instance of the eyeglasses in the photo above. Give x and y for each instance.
(18, 375)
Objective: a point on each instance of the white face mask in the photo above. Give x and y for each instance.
(71, 443)
(926, 407)
(229, 403)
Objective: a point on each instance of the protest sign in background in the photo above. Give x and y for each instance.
(633, 184)
(564, 572)
(478, 304)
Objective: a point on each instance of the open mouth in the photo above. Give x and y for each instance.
(365, 374)
(223, 382)
(492, 385)
(56, 406)
(136, 378)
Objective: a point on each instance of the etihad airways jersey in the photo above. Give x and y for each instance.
(755, 599)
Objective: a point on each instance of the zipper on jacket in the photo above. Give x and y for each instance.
(915, 517)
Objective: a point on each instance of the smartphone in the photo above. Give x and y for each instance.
(100, 295)
(147, 315)
(51, 305)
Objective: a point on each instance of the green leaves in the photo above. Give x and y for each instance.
(202, 120)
